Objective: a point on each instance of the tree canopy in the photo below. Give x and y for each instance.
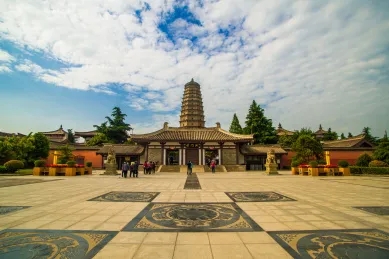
(368, 136)
(382, 151)
(330, 135)
(307, 148)
(115, 128)
(259, 125)
(235, 125)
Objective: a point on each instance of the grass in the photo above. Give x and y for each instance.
(27, 171)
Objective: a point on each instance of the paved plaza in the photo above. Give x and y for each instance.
(233, 215)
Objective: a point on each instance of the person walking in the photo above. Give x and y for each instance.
(189, 170)
(213, 166)
(125, 168)
(136, 169)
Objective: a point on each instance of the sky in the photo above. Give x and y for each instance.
(305, 62)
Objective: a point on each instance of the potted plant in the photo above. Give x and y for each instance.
(303, 169)
(313, 169)
(343, 167)
(71, 168)
(88, 168)
(39, 167)
(294, 165)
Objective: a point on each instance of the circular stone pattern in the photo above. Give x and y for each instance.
(198, 216)
(128, 196)
(255, 196)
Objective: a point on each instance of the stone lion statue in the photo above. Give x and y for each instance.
(111, 158)
(271, 157)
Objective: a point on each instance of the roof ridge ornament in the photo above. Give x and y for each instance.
(165, 125)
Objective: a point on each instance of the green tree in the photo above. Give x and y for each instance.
(41, 147)
(350, 135)
(260, 126)
(97, 140)
(364, 160)
(330, 135)
(71, 136)
(65, 154)
(115, 128)
(342, 136)
(367, 132)
(381, 153)
(287, 141)
(307, 148)
(235, 125)
(6, 150)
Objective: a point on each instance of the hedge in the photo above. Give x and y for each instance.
(3, 170)
(369, 170)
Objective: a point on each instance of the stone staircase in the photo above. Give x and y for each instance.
(198, 169)
(219, 168)
(170, 168)
(235, 168)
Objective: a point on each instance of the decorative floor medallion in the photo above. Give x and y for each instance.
(192, 182)
(353, 244)
(127, 197)
(378, 210)
(257, 197)
(13, 182)
(23, 244)
(192, 217)
(9, 209)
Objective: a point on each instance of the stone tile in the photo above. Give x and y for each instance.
(224, 238)
(154, 251)
(31, 224)
(84, 225)
(299, 225)
(129, 238)
(325, 225)
(309, 217)
(185, 238)
(230, 251)
(271, 226)
(192, 252)
(117, 251)
(268, 251)
(58, 224)
(256, 238)
(160, 238)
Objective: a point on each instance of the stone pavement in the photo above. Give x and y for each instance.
(233, 215)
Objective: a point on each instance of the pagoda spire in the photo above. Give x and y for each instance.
(192, 111)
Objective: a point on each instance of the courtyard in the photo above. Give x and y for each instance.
(227, 215)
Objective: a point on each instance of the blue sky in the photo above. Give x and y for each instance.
(306, 62)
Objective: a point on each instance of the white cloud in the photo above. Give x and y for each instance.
(5, 61)
(326, 60)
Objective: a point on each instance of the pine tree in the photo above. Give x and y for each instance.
(367, 132)
(115, 128)
(71, 136)
(330, 135)
(259, 125)
(342, 136)
(235, 125)
(350, 135)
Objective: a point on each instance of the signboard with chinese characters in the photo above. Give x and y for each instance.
(191, 145)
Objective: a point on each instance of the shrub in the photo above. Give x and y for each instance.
(71, 163)
(295, 163)
(369, 170)
(377, 163)
(13, 165)
(343, 164)
(364, 160)
(39, 163)
(3, 170)
(88, 164)
(313, 164)
(321, 162)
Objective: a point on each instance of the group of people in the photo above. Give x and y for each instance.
(133, 168)
(149, 167)
(212, 164)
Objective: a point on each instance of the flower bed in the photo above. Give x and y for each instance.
(60, 169)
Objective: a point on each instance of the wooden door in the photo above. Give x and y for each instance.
(192, 155)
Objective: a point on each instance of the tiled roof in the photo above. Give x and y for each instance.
(122, 149)
(281, 132)
(191, 134)
(55, 132)
(5, 134)
(352, 142)
(85, 133)
(75, 146)
(320, 132)
(261, 149)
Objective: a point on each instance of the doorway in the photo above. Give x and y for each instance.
(172, 157)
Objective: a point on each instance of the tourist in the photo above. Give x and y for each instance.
(213, 165)
(145, 167)
(125, 168)
(153, 167)
(136, 169)
(190, 165)
(148, 167)
(171, 160)
(131, 169)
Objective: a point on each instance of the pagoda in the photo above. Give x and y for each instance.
(192, 112)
